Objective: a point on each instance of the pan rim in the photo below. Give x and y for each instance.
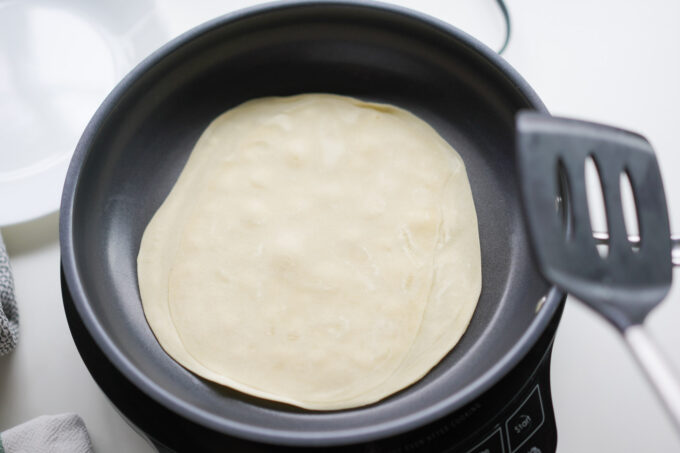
(202, 417)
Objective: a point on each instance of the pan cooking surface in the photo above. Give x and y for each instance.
(137, 144)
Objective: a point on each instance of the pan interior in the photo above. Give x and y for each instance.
(137, 145)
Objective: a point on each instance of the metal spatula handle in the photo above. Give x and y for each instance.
(602, 238)
(656, 368)
(647, 354)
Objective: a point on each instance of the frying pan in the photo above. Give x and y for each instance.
(138, 141)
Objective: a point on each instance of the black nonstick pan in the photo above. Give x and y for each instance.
(138, 141)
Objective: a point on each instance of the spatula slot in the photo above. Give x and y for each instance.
(596, 207)
(563, 200)
(629, 206)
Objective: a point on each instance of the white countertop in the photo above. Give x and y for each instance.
(613, 61)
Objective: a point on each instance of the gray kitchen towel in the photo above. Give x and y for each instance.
(9, 316)
(64, 433)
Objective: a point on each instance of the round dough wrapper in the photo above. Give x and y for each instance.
(316, 250)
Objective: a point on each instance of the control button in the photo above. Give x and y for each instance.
(492, 444)
(525, 421)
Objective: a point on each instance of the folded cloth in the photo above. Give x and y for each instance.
(64, 433)
(9, 316)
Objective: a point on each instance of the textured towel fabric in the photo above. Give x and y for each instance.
(64, 433)
(9, 316)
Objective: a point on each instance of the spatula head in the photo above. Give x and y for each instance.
(551, 156)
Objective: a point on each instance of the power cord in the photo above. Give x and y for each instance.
(506, 16)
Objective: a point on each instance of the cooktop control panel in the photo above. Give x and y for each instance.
(515, 416)
(521, 431)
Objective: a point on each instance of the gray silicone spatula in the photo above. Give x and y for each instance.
(636, 273)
